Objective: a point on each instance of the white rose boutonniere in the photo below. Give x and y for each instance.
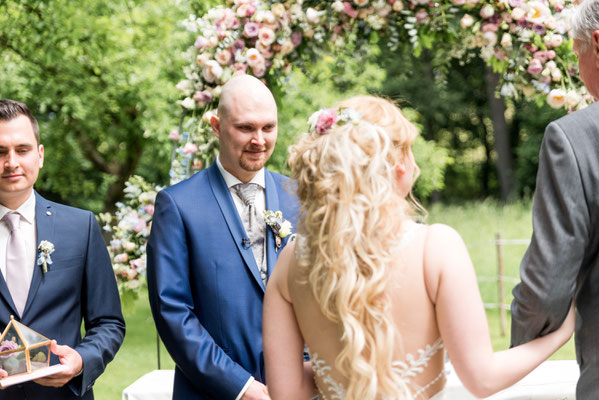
(44, 250)
(281, 228)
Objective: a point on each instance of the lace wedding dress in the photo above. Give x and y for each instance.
(408, 369)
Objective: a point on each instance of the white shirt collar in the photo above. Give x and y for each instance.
(231, 180)
(27, 209)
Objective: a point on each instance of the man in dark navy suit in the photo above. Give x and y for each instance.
(78, 286)
(210, 253)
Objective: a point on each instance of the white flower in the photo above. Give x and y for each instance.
(466, 21)
(490, 38)
(212, 71)
(338, 6)
(518, 13)
(312, 16)
(556, 75)
(487, 11)
(254, 57)
(506, 40)
(536, 12)
(285, 229)
(360, 3)
(556, 98)
(572, 98)
(188, 103)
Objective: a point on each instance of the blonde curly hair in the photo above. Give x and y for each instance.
(351, 216)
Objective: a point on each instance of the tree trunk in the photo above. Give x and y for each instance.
(505, 163)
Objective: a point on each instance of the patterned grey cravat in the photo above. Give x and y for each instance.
(16, 273)
(253, 223)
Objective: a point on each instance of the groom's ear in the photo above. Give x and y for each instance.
(595, 46)
(215, 124)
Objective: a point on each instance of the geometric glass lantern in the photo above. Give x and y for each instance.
(23, 350)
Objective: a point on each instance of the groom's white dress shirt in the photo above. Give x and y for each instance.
(27, 211)
(260, 203)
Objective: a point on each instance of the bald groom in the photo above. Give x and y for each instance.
(210, 253)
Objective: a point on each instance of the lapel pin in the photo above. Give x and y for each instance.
(48, 213)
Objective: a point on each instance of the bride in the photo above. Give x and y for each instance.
(376, 297)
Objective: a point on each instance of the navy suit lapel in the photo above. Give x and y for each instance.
(272, 203)
(44, 222)
(227, 207)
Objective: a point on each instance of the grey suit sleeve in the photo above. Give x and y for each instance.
(552, 262)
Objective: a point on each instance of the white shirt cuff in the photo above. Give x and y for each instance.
(243, 389)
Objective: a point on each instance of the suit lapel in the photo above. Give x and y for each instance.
(227, 206)
(272, 203)
(44, 222)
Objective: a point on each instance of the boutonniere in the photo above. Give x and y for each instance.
(279, 225)
(44, 250)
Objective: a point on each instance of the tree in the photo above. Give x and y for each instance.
(100, 76)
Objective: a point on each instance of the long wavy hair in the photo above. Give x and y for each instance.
(351, 216)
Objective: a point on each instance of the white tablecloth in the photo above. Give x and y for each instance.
(552, 380)
(155, 385)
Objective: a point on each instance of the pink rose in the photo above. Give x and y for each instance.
(251, 29)
(259, 69)
(149, 209)
(202, 98)
(535, 67)
(349, 10)
(326, 120)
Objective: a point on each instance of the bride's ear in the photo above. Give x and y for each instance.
(400, 168)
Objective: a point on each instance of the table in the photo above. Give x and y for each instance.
(552, 380)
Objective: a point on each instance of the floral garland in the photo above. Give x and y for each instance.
(130, 228)
(526, 41)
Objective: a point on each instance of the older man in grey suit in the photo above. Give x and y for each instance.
(562, 261)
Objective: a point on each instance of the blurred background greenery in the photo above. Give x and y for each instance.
(101, 76)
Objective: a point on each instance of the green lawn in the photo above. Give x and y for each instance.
(476, 222)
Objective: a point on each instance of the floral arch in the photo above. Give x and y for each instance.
(525, 41)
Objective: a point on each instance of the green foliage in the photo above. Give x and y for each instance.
(328, 82)
(100, 76)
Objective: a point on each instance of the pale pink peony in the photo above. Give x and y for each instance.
(223, 57)
(535, 67)
(266, 36)
(174, 135)
(190, 148)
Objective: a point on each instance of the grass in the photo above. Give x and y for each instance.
(476, 222)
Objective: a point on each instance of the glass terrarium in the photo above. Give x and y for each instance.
(22, 350)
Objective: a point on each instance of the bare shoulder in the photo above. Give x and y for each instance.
(444, 253)
(442, 236)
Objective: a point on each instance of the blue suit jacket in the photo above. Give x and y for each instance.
(78, 285)
(205, 289)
